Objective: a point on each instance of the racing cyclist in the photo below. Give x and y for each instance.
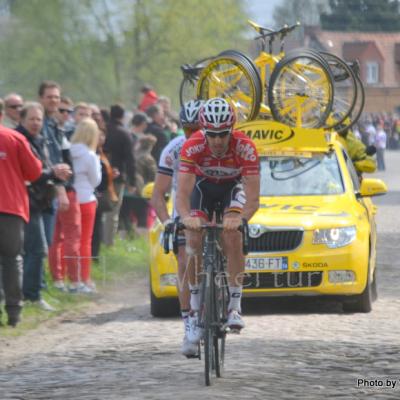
(166, 179)
(218, 165)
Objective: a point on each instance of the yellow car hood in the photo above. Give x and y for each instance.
(308, 212)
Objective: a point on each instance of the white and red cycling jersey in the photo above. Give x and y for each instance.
(241, 158)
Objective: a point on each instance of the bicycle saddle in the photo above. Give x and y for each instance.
(192, 69)
(260, 29)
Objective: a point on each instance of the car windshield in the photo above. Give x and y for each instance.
(318, 174)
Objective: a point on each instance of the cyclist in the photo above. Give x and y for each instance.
(166, 177)
(218, 165)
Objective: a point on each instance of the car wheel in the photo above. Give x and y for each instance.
(161, 307)
(361, 303)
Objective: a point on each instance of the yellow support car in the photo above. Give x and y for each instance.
(314, 233)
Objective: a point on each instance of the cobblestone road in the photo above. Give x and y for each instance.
(288, 351)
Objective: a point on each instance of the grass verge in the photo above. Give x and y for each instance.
(122, 262)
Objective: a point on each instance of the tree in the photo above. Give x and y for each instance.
(104, 50)
(362, 15)
(307, 12)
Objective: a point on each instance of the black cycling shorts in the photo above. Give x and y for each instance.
(207, 194)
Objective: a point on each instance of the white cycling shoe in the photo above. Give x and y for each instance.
(189, 349)
(235, 321)
(194, 333)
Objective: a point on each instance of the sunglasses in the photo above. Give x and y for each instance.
(65, 110)
(15, 106)
(221, 134)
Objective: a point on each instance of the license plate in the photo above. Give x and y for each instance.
(268, 263)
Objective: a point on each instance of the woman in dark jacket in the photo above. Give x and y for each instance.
(41, 193)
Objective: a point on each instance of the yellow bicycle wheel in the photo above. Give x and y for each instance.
(301, 91)
(229, 77)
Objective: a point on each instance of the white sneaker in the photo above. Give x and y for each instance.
(44, 305)
(86, 289)
(189, 349)
(235, 320)
(194, 332)
(60, 286)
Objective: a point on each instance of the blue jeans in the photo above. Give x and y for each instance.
(35, 250)
(49, 220)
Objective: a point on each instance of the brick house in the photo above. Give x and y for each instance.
(379, 57)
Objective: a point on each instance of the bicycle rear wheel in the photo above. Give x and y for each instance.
(208, 337)
(191, 73)
(301, 92)
(346, 90)
(230, 77)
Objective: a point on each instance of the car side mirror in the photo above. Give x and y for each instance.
(372, 187)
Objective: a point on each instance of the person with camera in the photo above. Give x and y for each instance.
(41, 194)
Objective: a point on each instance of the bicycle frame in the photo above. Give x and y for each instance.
(214, 291)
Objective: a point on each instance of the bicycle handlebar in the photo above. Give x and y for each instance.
(282, 32)
(175, 227)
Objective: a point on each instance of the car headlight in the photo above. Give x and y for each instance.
(255, 230)
(335, 237)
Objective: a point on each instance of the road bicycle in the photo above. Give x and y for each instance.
(214, 293)
(295, 88)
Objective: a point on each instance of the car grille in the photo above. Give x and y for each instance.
(276, 241)
(281, 280)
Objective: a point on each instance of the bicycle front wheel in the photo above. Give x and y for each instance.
(221, 311)
(208, 337)
(301, 92)
(229, 77)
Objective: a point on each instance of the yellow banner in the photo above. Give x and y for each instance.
(271, 136)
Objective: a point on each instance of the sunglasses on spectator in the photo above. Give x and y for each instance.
(220, 134)
(65, 110)
(15, 106)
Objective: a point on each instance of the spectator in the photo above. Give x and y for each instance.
(148, 98)
(146, 166)
(13, 104)
(371, 133)
(119, 150)
(105, 113)
(105, 194)
(171, 118)
(87, 169)
(58, 148)
(140, 122)
(135, 207)
(156, 128)
(18, 164)
(62, 220)
(41, 194)
(380, 144)
(81, 111)
(97, 116)
(64, 114)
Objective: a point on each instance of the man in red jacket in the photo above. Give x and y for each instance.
(17, 165)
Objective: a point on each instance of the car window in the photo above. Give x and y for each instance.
(301, 176)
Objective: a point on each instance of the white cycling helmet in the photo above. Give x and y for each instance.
(189, 114)
(216, 115)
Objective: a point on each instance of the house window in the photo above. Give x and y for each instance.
(372, 72)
